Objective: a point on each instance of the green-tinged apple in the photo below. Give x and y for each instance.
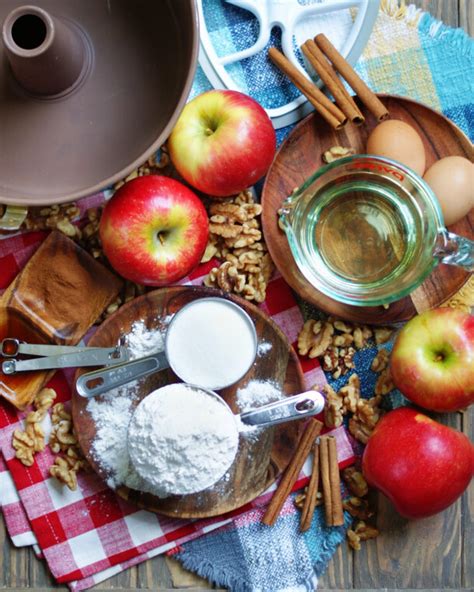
(222, 143)
(154, 230)
(432, 362)
(421, 465)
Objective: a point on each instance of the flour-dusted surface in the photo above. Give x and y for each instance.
(181, 440)
(142, 341)
(112, 412)
(263, 348)
(257, 393)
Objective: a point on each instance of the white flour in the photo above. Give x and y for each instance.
(211, 343)
(263, 348)
(257, 393)
(181, 440)
(143, 342)
(112, 412)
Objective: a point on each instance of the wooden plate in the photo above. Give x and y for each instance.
(300, 155)
(258, 463)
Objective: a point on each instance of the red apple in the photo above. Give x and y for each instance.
(222, 143)
(154, 230)
(432, 362)
(422, 466)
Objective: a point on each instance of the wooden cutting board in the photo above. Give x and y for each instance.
(300, 156)
(258, 462)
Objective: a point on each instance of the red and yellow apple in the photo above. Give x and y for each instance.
(222, 143)
(154, 230)
(432, 362)
(421, 465)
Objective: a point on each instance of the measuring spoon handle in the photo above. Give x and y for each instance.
(288, 409)
(97, 382)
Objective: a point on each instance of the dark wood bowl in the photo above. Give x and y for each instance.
(300, 156)
(258, 462)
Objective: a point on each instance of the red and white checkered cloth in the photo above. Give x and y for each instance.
(90, 534)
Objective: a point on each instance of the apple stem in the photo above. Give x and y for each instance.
(160, 238)
(208, 131)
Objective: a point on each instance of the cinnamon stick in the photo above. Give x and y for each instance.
(370, 100)
(292, 471)
(326, 108)
(335, 86)
(337, 515)
(312, 492)
(325, 478)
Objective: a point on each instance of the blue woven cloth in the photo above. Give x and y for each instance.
(411, 54)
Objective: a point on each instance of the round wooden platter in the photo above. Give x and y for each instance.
(300, 155)
(259, 461)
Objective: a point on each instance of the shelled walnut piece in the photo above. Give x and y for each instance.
(355, 481)
(235, 237)
(361, 532)
(333, 408)
(301, 497)
(337, 152)
(365, 418)
(384, 383)
(30, 441)
(63, 440)
(56, 217)
(359, 508)
(365, 412)
(333, 341)
(340, 403)
(380, 362)
(65, 468)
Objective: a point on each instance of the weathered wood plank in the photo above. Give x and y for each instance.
(39, 575)
(445, 10)
(467, 506)
(194, 589)
(181, 578)
(155, 574)
(339, 572)
(102, 589)
(466, 15)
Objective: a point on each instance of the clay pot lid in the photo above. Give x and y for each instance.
(88, 91)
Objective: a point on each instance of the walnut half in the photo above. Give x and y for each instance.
(361, 532)
(355, 481)
(337, 152)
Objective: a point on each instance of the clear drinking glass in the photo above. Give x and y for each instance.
(366, 230)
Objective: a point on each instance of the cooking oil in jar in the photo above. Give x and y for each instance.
(364, 234)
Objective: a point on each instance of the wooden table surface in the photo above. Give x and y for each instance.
(432, 554)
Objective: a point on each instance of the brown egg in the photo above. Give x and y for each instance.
(398, 140)
(452, 180)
